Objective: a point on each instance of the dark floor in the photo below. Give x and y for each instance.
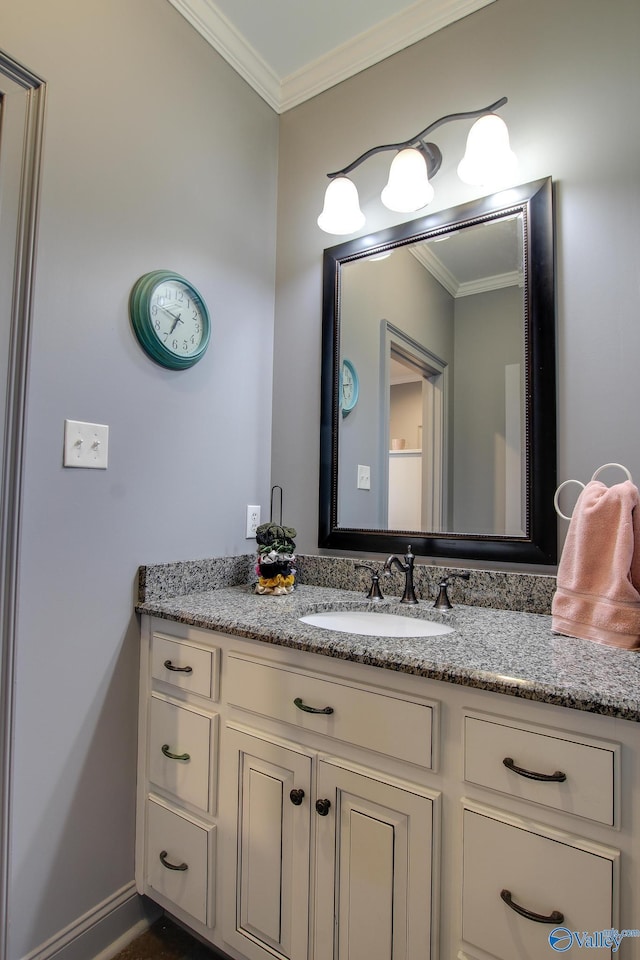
(165, 940)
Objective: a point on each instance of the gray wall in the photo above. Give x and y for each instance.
(572, 74)
(157, 155)
(405, 413)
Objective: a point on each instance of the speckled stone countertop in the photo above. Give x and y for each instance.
(499, 650)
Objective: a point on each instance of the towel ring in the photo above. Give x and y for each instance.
(604, 467)
(580, 484)
(557, 494)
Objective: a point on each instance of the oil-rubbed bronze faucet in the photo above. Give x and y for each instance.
(409, 595)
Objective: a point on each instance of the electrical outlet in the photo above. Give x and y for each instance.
(253, 521)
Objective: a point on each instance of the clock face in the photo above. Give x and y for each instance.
(170, 319)
(348, 387)
(177, 318)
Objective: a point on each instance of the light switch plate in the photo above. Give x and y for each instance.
(86, 444)
(364, 477)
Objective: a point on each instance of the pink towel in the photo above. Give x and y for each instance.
(598, 583)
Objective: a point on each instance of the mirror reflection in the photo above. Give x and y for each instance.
(438, 387)
(435, 332)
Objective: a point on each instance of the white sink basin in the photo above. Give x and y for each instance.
(369, 624)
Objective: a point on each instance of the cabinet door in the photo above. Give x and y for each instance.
(374, 860)
(271, 908)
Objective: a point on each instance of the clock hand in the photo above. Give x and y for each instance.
(176, 321)
(172, 315)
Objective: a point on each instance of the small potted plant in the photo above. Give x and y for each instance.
(276, 556)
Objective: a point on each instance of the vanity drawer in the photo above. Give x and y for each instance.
(542, 873)
(180, 751)
(588, 768)
(191, 668)
(376, 720)
(179, 860)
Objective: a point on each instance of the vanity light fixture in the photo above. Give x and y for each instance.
(488, 159)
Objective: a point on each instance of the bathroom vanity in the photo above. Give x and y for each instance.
(305, 793)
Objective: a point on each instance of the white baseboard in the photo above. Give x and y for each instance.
(101, 931)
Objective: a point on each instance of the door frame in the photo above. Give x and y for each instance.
(435, 471)
(11, 479)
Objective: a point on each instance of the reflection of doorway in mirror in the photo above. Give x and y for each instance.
(415, 490)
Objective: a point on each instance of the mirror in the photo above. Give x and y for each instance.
(438, 384)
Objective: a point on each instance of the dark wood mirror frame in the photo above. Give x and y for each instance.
(539, 544)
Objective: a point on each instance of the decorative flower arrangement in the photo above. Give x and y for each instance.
(276, 555)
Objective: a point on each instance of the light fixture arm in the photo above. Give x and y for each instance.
(430, 150)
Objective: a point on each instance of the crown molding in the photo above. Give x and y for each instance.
(426, 256)
(388, 37)
(484, 285)
(217, 30)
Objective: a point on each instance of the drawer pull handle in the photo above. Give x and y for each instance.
(303, 706)
(322, 807)
(171, 866)
(557, 777)
(170, 666)
(554, 917)
(296, 797)
(174, 756)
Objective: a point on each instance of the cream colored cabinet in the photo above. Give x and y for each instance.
(522, 881)
(176, 846)
(374, 867)
(360, 841)
(179, 852)
(557, 770)
(267, 897)
(528, 885)
(299, 807)
(366, 843)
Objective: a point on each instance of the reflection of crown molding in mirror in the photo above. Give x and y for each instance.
(514, 278)
(535, 543)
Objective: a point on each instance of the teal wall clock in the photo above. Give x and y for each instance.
(170, 319)
(349, 387)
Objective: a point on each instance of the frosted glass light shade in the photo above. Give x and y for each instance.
(408, 187)
(488, 158)
(341, 212)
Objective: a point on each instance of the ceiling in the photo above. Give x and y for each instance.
(291, 50)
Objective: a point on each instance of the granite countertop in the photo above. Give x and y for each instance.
(499, 650)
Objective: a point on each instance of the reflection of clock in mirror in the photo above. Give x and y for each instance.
(348, 387)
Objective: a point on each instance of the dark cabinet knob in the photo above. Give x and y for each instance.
(322, 807)
(296, 797)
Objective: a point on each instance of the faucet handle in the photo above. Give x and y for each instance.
(442, 601)
(374, 590)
